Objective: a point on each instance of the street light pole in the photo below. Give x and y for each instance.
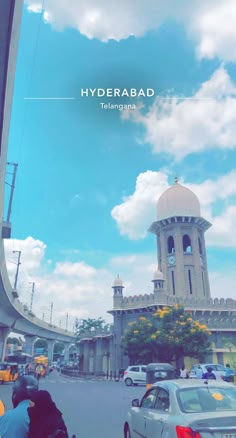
(17, 269)
(32, 295)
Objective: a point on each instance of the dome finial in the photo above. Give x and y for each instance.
(176, 179)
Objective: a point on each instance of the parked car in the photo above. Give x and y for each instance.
(135, 374)
(217, 369)
(184, 408)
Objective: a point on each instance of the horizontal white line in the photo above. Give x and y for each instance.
(49, 98)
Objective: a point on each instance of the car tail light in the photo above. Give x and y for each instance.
(126, 372)
(186, 432)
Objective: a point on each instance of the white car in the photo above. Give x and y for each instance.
(184, 408)
(135, 374)
(217, 369)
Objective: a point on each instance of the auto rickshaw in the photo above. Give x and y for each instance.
(155, 372)
(8, 372)
(2, 408)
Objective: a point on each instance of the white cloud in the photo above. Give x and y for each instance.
(79, 269)
(210, 24)
(137, 211)
(133, 215)
(180, 127)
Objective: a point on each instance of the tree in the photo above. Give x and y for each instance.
(90, 325)
(166, 336)
(58, 348)
(14, 341)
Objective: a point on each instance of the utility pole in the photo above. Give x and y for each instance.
(51, 309)
(17, 269)
(12, 185)
(43, 316)
(67, 321)
(32, 295)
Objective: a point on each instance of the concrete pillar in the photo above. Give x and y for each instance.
(29, 344)
(51, 344)
(99, 353)
(4, 332)
(86, 357)
(66, 352)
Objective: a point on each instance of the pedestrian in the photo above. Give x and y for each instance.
(228, 377)
(15, 422)
(45, 418)
(209, 374)
(199, 372)
(183, 373)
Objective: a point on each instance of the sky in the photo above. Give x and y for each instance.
(89, 178)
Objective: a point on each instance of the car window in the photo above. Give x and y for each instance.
(134, 369)
(208, 399)
(143, 369)
(211, 366)
(162, 401)
(220, 368)
(149, 398)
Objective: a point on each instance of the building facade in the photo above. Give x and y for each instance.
(181, 278)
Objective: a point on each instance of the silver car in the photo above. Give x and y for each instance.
(184, 409)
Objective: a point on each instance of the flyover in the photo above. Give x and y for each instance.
(14, 316)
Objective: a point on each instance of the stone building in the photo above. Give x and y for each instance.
(181, 278)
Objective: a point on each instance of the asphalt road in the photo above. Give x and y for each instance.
(91, 408)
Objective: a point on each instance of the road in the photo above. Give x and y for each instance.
(91, 408)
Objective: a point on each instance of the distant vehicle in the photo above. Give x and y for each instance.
(184, 408)
(135, 374)
(8, 372)
(217, 369)
(155, 372)
(20, 358)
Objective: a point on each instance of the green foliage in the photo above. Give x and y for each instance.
(167, 335)
(58, 348)
(41, 343)
(90, 325)
(13, 340)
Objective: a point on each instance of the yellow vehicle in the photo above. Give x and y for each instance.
(41, 360)
(8, 372)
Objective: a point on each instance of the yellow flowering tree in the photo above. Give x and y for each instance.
(167, 335)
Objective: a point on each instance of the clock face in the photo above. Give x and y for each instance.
(171, 260)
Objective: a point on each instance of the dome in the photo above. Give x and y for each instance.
(178, 201)
(118, 282)
(158, 275)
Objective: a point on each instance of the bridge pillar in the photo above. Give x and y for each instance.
(67, 351)
(29, 344)
(51, 344)
(4, 332)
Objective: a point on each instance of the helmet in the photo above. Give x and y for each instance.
(23, 388)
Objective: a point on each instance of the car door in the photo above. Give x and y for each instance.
(140, 414)
(142, 374)
(157, 417)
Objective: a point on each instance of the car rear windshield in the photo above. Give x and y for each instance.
(207, 399)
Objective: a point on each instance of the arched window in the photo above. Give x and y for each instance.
(170, 245)
(187, 247)
(200, 245)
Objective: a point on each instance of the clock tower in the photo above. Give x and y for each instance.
(179, 230)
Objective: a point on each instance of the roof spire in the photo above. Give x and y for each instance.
(176, 179)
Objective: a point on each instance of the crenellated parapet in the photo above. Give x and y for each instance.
(146, 300)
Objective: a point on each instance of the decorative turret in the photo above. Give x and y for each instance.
(158, 281)
(117, 292)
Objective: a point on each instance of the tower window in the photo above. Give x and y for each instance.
(187, 246)
(170, 245)
(173, 281)
(200, 245)
(190, 282)
(203, 285)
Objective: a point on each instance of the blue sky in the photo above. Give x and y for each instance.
(89, 178)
